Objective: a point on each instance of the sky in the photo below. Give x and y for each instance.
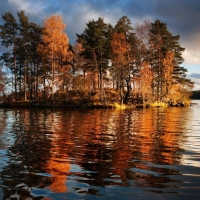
(181, 16)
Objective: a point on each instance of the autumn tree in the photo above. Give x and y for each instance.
(124, 27)
(135, 53)
(55, 47)
(142, 33)
(168, 72)
(145, 81)
(119, 61)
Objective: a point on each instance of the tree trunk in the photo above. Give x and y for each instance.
(37, 81)
(25, 97)
(15, 74)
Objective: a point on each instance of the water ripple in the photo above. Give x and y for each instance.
(147, 154)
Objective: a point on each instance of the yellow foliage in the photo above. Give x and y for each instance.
(56, 41)
(118, 106)
(159, 104)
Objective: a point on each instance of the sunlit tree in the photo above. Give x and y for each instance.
(168, 71)
(55, 45)
(145, 81)
(120, 67)
(124, 27)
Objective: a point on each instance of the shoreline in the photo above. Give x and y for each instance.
(88, 104)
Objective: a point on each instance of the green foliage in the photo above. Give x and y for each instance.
(22, 38)
(95, 42)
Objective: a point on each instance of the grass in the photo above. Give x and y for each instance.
(159, 104)
(120, 106)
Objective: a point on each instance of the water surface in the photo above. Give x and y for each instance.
(149, 153)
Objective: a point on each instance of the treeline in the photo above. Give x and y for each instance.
(195, 94)
(143, 61)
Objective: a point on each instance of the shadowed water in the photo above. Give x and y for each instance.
(149, 153)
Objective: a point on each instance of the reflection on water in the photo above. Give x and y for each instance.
(100, 154)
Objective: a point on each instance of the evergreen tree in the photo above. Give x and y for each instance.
(23, 49)
(2, 82)
(23, 38)
(161, 41)
(95, 42)
(35, 33)
(9, 34)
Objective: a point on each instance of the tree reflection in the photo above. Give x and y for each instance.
(135, 147)
(27, 155)
(111, 147)
(3, 121)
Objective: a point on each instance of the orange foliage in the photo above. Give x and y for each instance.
(118, 44)
(145, 79)
(120, 60)
(54, 37)
(169, 67)
(55, 49)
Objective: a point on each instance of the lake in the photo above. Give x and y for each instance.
(151, 153)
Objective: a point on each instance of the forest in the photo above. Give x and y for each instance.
(108, 65)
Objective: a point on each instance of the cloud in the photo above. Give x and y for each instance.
(29, 6)
(181, 16)
(195, 75)
(191, 56)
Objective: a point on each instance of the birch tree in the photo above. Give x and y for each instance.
(55, 45)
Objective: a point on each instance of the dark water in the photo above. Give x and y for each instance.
(100, 154)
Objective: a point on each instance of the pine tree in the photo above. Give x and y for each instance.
(2, 82)
(95, 42)
(35, 33)
(9, 34)
(161, 41)
(23, 48)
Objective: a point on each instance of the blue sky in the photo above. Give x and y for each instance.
(182, 18)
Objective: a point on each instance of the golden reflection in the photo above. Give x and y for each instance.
(146, 134)
(58, 164)
(58, 168)
(153, 136)
(161, 131)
